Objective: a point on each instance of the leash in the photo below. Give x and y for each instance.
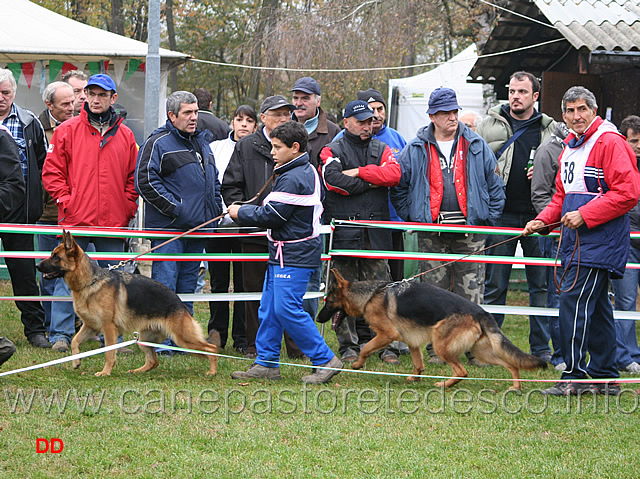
(196, 228)
(498, 244)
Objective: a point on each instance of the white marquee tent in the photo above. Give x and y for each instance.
(38, 45)
(413, 92)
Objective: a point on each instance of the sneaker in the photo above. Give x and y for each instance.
(608, 389)
(321, 376)
(568, 388)
(39, 341)
(257, 371)
(349, 356)
(435, 360)
(632, 368)
(390, 358)
(546, 357)
(560, 366)
(60, 346)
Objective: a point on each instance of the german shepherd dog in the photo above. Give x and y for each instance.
(112, 301)
(419, 313)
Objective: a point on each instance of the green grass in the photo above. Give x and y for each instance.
(175, 422)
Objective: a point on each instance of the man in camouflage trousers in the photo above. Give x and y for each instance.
(448, 177)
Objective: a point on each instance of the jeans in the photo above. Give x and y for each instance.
(497, 280)
(549, 246)
(626, 291)
(178, 276)
(47, 243)
(280, 309)
(63, 316)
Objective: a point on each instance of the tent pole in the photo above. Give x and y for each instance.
(152, 77)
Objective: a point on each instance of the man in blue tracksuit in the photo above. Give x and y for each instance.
(292, 213)
(176, 176)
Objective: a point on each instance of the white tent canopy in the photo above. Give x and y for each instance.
(413, 92)
(34, 35)
(30, 32)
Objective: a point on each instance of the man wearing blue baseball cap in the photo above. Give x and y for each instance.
(89, 172)
(357, 172)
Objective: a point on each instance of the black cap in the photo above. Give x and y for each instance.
(371, 95)
(274, 102)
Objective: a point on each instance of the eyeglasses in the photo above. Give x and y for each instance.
(103, 95)
(279, 115)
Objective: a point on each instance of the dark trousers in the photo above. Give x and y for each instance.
(396, 266)
(23, 280)
(219, 272)
(253, 273)
(587, 325)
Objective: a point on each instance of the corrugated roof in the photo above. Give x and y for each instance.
(596, 24)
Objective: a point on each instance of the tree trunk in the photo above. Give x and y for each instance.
(171, 33)
(267, 18)
(117, 22)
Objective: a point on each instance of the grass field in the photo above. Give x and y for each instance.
(175, 422)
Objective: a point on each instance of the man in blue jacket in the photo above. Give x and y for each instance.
(448, 177)
(177, 177)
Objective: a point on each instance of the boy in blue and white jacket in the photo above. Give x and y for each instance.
(291, 213)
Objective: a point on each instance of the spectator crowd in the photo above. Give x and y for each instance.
(78, 164)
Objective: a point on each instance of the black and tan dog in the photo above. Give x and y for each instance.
(114, 302)
(420, 313)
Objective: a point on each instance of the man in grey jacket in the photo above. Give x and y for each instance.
(514, 132)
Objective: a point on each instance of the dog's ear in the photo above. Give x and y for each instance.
(67, 239)
(69, 242)
(339, 278)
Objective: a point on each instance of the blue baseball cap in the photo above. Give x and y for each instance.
(442, 99)
(103, 81)
(307, 85)
(358, 108)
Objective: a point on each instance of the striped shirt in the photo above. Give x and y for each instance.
(12, 123)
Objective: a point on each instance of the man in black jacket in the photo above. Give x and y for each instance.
(207, 120)
(357, 172)
(29, 136)
(250, 166)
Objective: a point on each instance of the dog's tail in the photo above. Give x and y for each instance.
(505, 349)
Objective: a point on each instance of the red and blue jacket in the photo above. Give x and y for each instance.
(599, 178)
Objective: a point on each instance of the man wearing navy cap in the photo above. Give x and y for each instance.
(89, 172)
(448, 177)
(306, 98)
(357, 172)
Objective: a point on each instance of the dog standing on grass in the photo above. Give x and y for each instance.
(418, 313)
(114, 302)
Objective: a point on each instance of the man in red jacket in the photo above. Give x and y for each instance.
(89, 172)
(598, 183)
